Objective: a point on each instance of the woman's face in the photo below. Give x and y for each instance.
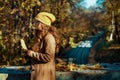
(37, 25)
(38, 29)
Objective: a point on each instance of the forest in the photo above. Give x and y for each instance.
(73, 22)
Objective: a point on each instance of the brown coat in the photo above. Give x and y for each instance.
(43, 65)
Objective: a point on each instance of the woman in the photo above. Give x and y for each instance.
(43, 52)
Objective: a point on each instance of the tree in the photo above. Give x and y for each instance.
(113, 10)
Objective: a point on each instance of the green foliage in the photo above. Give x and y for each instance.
(29, 4)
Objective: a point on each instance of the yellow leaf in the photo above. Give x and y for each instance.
(23, 45)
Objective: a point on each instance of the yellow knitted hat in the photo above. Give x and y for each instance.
(45, 17)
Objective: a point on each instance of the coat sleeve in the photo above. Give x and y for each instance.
(49, 45)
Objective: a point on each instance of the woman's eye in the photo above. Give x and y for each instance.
(36, 23)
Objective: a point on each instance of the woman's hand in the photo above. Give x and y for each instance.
(30, 53)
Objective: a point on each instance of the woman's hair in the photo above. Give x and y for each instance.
(52, 30)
